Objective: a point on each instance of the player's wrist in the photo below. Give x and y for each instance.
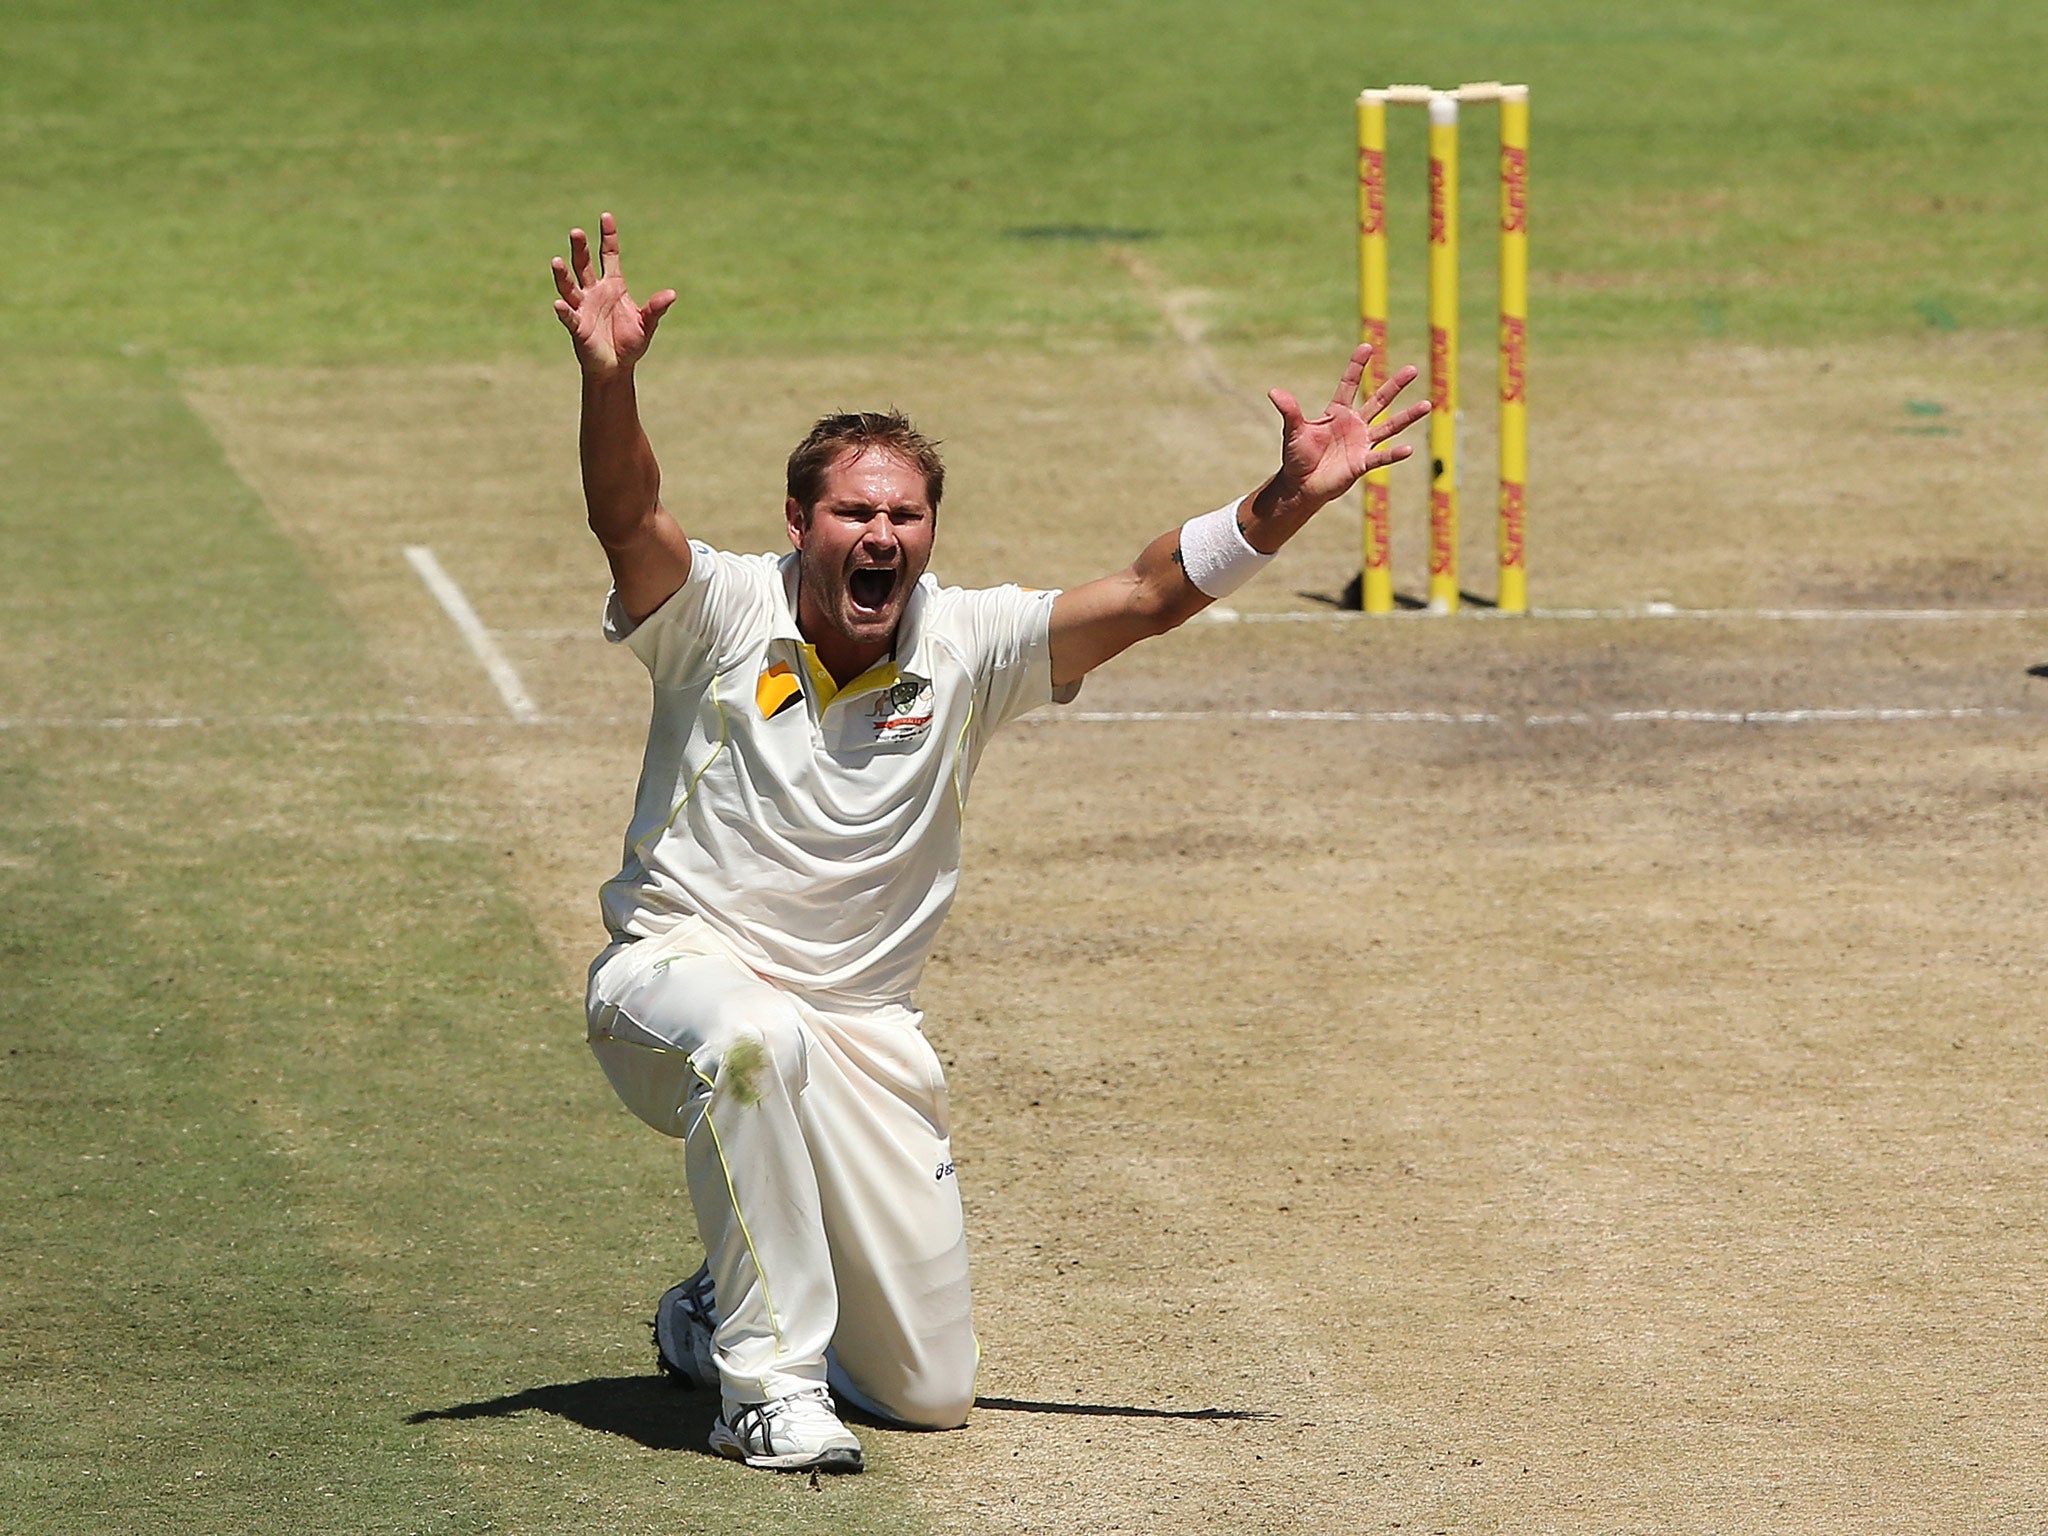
(1217, 554)
(607, 380)
(1285, 500)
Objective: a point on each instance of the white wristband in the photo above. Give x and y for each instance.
(1215, 553)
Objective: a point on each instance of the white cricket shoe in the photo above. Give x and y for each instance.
(684, 1320)
(800, 1433)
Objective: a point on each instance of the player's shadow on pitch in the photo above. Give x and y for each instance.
(648, 1410)
(1115, 1411)
(657, 1413)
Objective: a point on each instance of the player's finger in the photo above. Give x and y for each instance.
(1400, 422)
(563, 285)
(1347, 387)
(579, 258)
(608, 246)
(652, 311)
(1288, 407)
(1384, 395)
(566, 313)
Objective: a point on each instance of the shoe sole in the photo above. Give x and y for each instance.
(836, 1459)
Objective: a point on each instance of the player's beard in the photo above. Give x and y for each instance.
(863, 602)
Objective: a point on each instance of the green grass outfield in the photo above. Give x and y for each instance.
(301, 1142)
(335, 181)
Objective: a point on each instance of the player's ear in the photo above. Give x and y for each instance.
(798, 520)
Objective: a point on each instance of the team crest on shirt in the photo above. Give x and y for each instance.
(902, 711)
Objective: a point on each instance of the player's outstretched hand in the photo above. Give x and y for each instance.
(1322, 457)
(609, 330)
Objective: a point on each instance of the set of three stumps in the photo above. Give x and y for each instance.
(1376, 587)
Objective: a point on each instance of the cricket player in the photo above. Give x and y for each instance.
(794, 846)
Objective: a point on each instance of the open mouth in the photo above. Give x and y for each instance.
(871, 587)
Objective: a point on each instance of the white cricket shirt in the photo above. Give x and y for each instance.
(822, 843)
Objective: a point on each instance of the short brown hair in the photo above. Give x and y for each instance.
(856, 432)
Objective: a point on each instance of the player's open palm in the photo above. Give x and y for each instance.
(1325, 455)
(609, 330)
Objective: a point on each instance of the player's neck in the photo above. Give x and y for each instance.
(841, 655)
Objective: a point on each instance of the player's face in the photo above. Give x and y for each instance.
(863, 546)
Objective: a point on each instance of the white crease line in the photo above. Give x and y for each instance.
(1077, 717)
(1792, 615)
(1488, 717)
(457, 607)
(1221, 615)
(1341, 716)
(286, 722)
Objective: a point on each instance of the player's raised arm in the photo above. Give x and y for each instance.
(1182, 571)
(649, 554)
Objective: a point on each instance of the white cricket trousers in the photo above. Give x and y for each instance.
(820, 1164)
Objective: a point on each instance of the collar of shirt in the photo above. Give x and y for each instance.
(911, 658)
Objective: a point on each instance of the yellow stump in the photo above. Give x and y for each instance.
(1377, 582)
(1514, 345)
(1443, 352)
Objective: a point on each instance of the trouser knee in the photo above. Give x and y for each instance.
(754, 1057)
(679, 1033)
(936, 1405)
(915, 1399)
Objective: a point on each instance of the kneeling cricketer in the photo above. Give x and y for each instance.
(794, 846)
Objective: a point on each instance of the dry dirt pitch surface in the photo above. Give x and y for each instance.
(1623, 1125)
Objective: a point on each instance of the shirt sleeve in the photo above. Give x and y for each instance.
(697, 628)
(1012, 628)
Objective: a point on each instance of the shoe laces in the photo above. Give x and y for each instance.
(810, 1400)
(809, 1403)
